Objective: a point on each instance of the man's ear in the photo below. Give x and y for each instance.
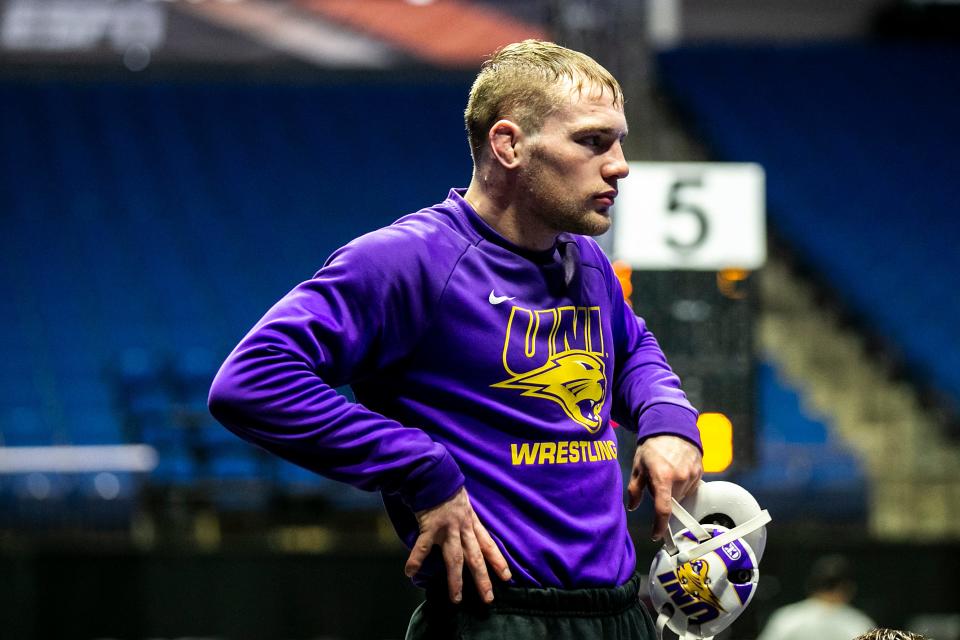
(505, 138)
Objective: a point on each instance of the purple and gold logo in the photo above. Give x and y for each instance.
(689, 589)
(694, 577)
(557, 355)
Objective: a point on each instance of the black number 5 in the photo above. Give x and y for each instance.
(676, 207)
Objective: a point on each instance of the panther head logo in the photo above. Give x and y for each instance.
(693, 577)
(574, 379)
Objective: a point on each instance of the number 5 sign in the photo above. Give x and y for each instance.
(698, 216)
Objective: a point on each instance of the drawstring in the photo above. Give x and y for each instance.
(572, 276)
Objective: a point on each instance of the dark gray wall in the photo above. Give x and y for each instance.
(77, 595)
(787, 20)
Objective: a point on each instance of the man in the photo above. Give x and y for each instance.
(488, 345)
(826, 614)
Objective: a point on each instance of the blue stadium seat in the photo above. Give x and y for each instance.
(237, 465)
(860, 180)
(802, 469)
(94, 427)
(193, 369)
(175, 467)
(297, 480)
(216, 439)
(25, 427)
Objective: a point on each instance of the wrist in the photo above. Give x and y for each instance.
(434, 485)
(669, 420)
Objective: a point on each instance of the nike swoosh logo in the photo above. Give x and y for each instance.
(495, 299)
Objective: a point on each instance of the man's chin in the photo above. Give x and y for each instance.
(597, 223)
(589, 222)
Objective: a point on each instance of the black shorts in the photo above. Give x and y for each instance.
(534, 614)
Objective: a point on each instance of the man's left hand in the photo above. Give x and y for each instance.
(667, 466)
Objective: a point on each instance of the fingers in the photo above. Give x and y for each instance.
(662, 507)
(418, 554)
(455, 527)
(635, 489)
(474, 559)
(455, 549)
(453, 558)
(490, 550)
(690, 484)
(665, 485)
(666, 466)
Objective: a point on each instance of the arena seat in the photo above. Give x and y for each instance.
(802, 468)
(25, 426)
(170, 217)
(860, 175)
(148, 226)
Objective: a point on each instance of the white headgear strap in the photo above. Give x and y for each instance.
(725, 538)
(708, 544)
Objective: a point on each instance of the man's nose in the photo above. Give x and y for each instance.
(616, 165)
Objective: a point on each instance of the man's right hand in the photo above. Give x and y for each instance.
(454, 526)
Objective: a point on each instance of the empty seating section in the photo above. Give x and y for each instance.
(802, 470)
(858, 145)
(147, 227)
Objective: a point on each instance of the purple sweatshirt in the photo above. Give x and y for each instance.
(474, 362)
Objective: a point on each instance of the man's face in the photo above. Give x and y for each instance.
(569, 180)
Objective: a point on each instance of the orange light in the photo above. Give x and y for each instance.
(623, 272)
(729, 282)
(716, 433)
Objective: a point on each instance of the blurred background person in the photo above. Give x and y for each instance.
(826, 614)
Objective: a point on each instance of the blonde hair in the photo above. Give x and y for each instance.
(522, 82)
(890, 634)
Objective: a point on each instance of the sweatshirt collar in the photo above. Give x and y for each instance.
(478, 224)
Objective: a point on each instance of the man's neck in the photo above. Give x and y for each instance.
(499, 209)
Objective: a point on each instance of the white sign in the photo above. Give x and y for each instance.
(696, 216)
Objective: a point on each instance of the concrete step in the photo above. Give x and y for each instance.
(913, 469)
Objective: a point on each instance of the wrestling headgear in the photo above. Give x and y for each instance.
(707, 572)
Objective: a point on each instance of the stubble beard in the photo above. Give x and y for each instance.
(548, 203)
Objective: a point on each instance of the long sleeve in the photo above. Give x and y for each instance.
(364, 310)
(646, 392)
